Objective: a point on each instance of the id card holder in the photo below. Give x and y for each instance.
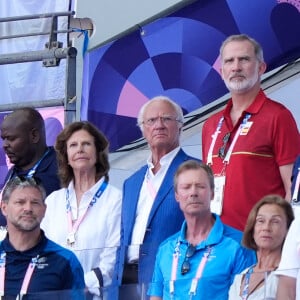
(216, 205)
(71, 239)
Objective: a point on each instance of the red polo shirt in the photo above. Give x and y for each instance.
(253, 169)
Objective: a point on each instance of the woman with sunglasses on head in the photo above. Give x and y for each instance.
(266, 228)
(84, 215)
(200, 261)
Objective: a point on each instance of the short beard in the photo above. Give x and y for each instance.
(26, 227)
(242, 86)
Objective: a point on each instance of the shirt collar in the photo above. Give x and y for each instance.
(254, 108)
(214, 237)
(165, 160)
(7, 246)
(92, 191)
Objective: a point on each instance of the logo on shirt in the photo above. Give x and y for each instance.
(42, 263)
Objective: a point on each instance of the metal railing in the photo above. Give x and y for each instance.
(50, 57)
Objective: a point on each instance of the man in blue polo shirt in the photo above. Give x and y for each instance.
(32, 264)
(200, 261)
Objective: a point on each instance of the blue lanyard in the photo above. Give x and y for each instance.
(97, 195)
(32, 171)
(73, 227)
(246, 284)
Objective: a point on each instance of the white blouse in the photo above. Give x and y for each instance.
(267, 291)
(98, 235)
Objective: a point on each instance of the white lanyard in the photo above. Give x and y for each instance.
(296, 189)
(243, 124)
(72, 228)
(213, 142)
(217, 132)
(199, 272)
(26, 279)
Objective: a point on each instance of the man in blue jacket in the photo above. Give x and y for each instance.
(149, 212)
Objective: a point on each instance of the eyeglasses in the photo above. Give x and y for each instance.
(166, 120)
(186, 266)
(222, 150)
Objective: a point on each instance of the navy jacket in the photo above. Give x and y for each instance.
(46, 172)
(58, 271)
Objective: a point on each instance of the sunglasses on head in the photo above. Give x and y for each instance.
(22, 178)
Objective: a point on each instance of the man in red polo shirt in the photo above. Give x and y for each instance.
(252, 144)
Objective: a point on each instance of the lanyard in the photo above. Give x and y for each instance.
(217, 132)
(32, 171)
(243, 124)
(26, 279)
(198, 275)
(246, 284)
(29, 174)
(213, 142)
(245, 292)
(296, 189)
(72, 228)
(151, 189)
(2, 272)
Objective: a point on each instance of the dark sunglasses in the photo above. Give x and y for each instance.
(222, 150)
(32, 180)
(186, 266)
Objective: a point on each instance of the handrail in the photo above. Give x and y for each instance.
(50, 57)
(13, 36)
(37, 16)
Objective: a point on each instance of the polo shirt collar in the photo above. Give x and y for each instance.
(7, 246)
(254, 108)
(215, 236)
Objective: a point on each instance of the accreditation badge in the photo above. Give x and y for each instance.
(246, 127)
(216, 205)
(71, 238)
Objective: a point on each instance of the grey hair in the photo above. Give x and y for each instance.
(194, 165)
(21, 183)
(176, 107)
(244, 37)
